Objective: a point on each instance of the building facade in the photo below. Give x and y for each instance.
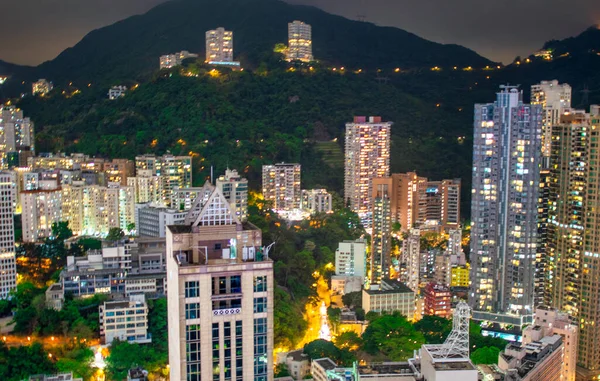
(316, 201)
(8, 265)
(299, 42)
(152, 221)
(235, 189)
(219, 45)
(411, 257)
(367, 156)
(220, 299)
(41, 87)
(126, 320)
(281, 186)
(381, 235)
(506, 160)
(438, 300)
(174, 171)
(147, 187)
(39, 210)
(389, 296)
(351, 258)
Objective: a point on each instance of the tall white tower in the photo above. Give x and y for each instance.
(8, 265)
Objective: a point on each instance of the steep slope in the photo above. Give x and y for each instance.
(131, 47)
(584, 43)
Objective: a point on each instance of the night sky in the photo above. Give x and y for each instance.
(38, 30)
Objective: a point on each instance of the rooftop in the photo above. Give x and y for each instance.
(453, 365)
(326, 363)
(385, 368)
(390, 286)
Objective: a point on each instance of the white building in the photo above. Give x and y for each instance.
(125, 320)
(555, 99)
(68, 376)
(220, 299)
(351, 258)
(411, 256)
(152, 220)
(299, 42)
(146, 186)
(367, 156)
(8, 266)
(41, 87)
(16, 131)
(389, 296)
(169, 61)
(316, 201)
(174, 171)
(235, 189)
(39, 210)
(116, 92)
(183, 198)
(281, 186)
(219, 46)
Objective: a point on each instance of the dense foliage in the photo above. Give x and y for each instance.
(322, 348)
(18, 363)
(392, 337)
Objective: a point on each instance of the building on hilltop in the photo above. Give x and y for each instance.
(367, 156)
(174, 171)
(169, 61)
(316, 201)
(299, 42)
(505, 186)
(220, 299)
(41, 87)
(116, 92)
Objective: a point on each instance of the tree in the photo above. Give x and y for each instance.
(115, 234)
(61, 230)
(349, 340)
(334, 315)
(435, 329)
(281, 370)
(322, 348)
(485, 355)
(352, 299)
(289, 325)
(392, 337)
(157, 325)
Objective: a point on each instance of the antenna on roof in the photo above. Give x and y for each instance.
(211, 174)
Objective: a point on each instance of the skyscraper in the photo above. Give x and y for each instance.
(219, 45)
(8, 266)
(281, 185)
(235, 189)
(367, 156)
(411, 257)
(573, 264)
(506, 160)
(174, 171)
(555, 98)
(220, 297)
(299, 42)
(381, 236)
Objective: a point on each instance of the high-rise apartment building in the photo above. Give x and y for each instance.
(220, 297)
(281, 186)
(119, 170)
(438, 300)
(41, 87)
(8, 265)
(381, 235)
(443, 205)
(351, 258)
(506, 161)
(174, 171)
(411, 257)
(39, 210)
(235, 189)
(219, 45)
(367, 156)
(299, 42)
(555, 99)
(572, 261)
(147, 187)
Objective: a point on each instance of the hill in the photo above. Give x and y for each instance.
(586, 42)
(129, 49)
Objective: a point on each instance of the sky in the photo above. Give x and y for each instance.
(497, 29)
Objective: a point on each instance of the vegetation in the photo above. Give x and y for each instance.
(392, 337)
(434, 328)
(485, 355)
(18, 363)
(123, 356)
(322, 348)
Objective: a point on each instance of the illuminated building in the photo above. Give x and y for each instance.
(116, 92)
(506, 160)
(41, 87)
(555, 99)
(411, 257)
(183, 198)
(152, 220)
(350, 266)
(389, 296)
(549, 322)
(118, 170)
(443, 205)
(8, 266)
(16, 137)
(235, 189)
(146, 186)
(40, 209)
(539, 360)
(169, 61)
(125, 320)
(438, 300)
(460, 276)
(381, 235)
(220, 299)
(316, 201)
(219, 45)
(367, 156)
(299, 42)
(572, 266)
(174, 171)
(281, 186)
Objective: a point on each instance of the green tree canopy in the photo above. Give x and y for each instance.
(392, 337)
(485, 355)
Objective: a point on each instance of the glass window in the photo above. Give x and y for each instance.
(192, 289)
(260, 305)
(260, 283)
(192, 311)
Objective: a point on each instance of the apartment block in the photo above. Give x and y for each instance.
(8, 266)
(235, 189)
(381, 234)
(147, 187)
(367, 156)
(219, 45)
(504, 206)
(175, 172)
(351, 258)
(281, 186)
(41, 87)
(125, 320)
(299, 42)
(316, 201)
(438, 300)
(118, 170)
(116, 92)
(39, 210)
(220, 299)
(153, 221)
(169, 61)
(389, 296)
(411, 257)
(538, 360)
(555, 99)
